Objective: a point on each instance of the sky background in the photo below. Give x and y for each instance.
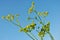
(9, 31)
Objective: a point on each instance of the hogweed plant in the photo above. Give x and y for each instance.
(45, 28)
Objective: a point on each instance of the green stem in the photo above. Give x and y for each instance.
(38, 17)
(50, 35)
(30, 36)
(41, 38)
(15, 24)
(21, 27)
(33, 35)
(27, 33)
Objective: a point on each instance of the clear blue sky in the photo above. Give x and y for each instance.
(9, 31)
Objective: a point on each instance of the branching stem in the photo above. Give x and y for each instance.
(25, 32)
(38, 17)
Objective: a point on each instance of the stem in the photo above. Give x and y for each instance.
(21, 27)
(50, 35)
(30, 36)
(27, 33)
(33, 35)
(15, 24)
(41, 38)
(38, 17)
(39, 20)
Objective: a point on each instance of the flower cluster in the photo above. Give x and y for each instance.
(44, 30)
(39, 16)
(28, 28)
(23, 29)
(31, 8)
(43, 14)
(41, 34)
(9, 17)
(12, 18)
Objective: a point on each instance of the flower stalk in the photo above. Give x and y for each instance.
(32, 37)
(41, 38)
(52, 38)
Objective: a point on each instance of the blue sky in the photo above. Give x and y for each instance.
(9, 31)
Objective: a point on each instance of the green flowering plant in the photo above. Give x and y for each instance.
(45, 28)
